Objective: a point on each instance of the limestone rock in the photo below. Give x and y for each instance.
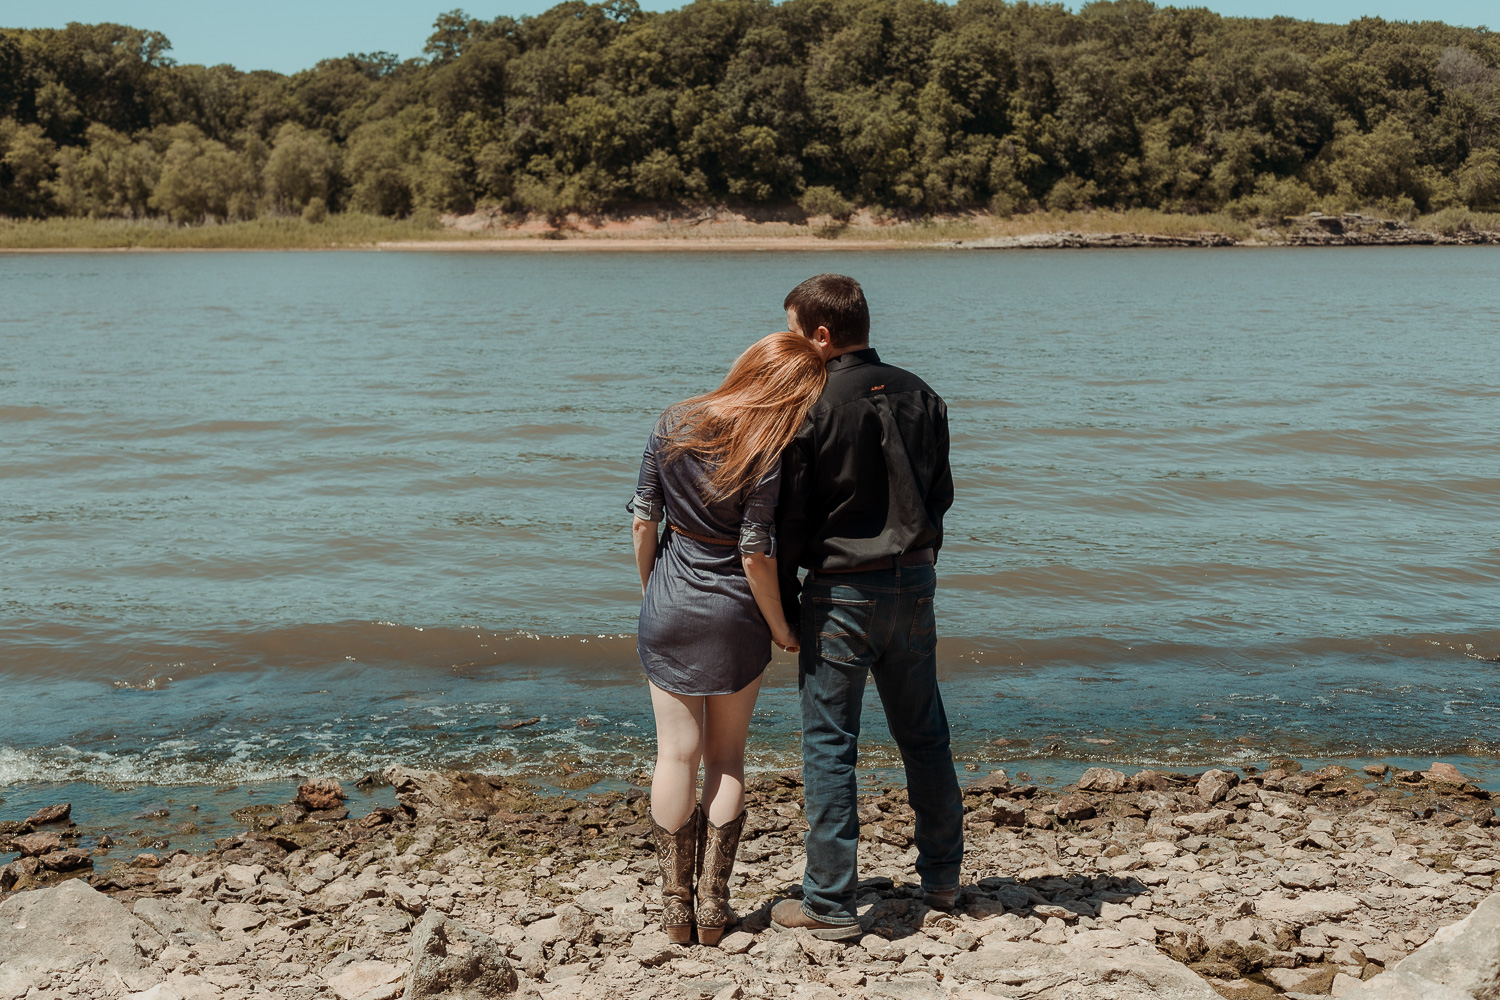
(180, 921)
(1308, 908)
(429, 795)
(1309, 876)
(50, 814)
(1103, 779)
(1068, 972)
(34, 845)
(1441, 771)
(1204, 822)
(569, 924)
(1407, 873)
(367, 981)
(237, 917)
(324, 793)
(995, 781)
(653, 948)
(1008, 813)
(451, 961)
(1464, 956)
(161, 991)
(66, 927)
(71, 860)
(1074, 807)
(1399, 985)
(1215, 784)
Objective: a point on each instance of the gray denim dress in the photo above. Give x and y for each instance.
(701, 632)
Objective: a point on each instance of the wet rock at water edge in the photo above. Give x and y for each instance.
(34, 845)
(51, 814)
(1103, 779)
(320, 795)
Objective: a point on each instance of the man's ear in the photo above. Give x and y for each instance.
(822, 337)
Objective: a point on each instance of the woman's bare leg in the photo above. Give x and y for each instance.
(725, 728)
(679, 748)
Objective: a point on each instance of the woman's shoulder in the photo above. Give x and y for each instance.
(670, 420)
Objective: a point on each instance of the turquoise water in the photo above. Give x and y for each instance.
(276, 514)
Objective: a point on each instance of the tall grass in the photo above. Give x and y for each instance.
(983, 225)
(346, 230)
(1452, 221)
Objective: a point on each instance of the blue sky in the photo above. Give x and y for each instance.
(288, 35)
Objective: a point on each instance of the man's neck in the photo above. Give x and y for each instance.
(848, 350)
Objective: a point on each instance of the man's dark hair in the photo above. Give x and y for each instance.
(834, 301)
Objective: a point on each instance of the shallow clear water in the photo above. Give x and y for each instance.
(273, 514)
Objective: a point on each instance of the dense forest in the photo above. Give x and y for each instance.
(908, 106)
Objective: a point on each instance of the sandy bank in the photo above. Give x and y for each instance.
(653, 244)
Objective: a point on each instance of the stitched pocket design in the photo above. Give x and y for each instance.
(923, 638)
(844, 630)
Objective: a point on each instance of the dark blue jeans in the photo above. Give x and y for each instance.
(877, 624)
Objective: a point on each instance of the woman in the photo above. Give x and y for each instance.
(711, 608)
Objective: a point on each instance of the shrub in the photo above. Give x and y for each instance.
(827, 201)
(316, 211)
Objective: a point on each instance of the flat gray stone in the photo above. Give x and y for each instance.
(69, 926)
(1398, 985)
(1464, 956)
(181, 921)
(1067, 972)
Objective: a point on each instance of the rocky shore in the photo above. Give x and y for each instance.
(1314, 230)
(1184, 886)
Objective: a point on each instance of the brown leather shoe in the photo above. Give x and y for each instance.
(941, 899)
(788, 915)
(676, 853)
(717, 846)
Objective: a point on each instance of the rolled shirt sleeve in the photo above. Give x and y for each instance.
(758, 525)
(647, 504)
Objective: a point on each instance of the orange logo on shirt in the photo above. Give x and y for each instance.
(877, 388)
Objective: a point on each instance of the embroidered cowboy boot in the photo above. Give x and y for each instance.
(716, 864)
(675, 854)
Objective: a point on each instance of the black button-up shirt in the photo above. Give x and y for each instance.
(867, 476)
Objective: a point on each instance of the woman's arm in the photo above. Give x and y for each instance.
(643, 535)
(760, 570)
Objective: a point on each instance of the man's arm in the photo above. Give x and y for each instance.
(940, 495)
(792, 521)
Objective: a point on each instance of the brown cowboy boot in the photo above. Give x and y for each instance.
(719, 845)
(675, 854)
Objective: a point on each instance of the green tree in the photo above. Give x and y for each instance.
(202, 179)
(26, 168)
(301, 167)
(111, 176)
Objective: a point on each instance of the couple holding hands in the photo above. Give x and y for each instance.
(813, 453)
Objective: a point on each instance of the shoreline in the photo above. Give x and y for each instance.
(1063, 240)
(1247, 886)
(482, 233)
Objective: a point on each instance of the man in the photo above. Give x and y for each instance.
(864, 488)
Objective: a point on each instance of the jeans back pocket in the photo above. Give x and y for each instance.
(843, 630)
(923, 636)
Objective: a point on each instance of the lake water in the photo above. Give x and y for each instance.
(270, 514)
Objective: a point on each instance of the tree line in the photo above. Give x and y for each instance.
(898, 105)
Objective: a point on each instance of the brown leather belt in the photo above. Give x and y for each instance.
(706, 539)
(919, 557)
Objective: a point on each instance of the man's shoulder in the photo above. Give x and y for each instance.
(860, 381)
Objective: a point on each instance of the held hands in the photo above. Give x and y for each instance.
(785, 638)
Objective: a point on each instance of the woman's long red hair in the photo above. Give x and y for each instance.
(741, 428)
